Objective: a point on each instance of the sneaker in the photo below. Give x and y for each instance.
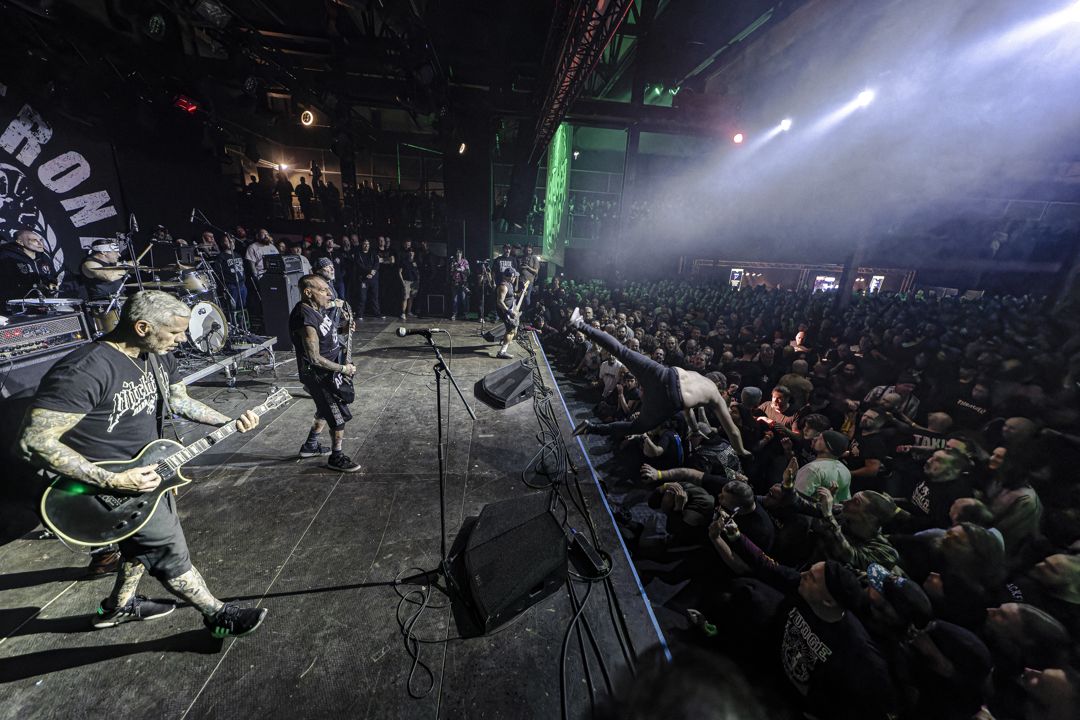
(453, 318)
(342, 462)
(382, 317)
(504, 356)
(234, 621)
(307, 451)
(403, 317)
(138, 608)
(576, 319)
(585, 427)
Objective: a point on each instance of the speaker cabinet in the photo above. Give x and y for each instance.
(23, 375)
(515, 556)
(507, 386)
(280, 293)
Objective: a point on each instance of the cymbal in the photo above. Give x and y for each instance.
(157, 285)
(147, 268)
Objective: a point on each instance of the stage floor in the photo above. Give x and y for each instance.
(318, 548)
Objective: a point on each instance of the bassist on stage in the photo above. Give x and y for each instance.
(505, 307)
(313, 328)
(103, 402)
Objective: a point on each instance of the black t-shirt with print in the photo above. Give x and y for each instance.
(116, 393)
(230, 267)
(303, 315)
(834, 667)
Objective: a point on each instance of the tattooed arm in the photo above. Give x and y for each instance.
(314, 356)
(192, 409)
(40, 443)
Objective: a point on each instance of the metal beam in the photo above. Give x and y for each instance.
(589, 29)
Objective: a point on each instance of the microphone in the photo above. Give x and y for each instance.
(426, 332)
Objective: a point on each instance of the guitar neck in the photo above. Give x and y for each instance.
(200, 446)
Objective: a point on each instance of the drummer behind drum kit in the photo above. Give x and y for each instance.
(208, 328)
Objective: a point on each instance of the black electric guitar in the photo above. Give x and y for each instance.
(85, 514)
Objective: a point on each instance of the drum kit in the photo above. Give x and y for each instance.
(208, 328)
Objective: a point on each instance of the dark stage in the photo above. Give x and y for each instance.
(321, 549)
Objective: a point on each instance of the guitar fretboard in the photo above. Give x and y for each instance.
(174, 461)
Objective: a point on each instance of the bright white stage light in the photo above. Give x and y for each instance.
(865, 98)
(785, 124)
(738, 138)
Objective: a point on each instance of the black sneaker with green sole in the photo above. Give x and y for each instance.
(138, 608)
(234, 621)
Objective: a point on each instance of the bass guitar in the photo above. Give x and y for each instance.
(85, 514)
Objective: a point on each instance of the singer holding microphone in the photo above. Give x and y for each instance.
(318, 358)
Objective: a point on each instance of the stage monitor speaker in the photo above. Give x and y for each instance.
(508, 386)
(280, 293)
(514, 558)
(21, 377)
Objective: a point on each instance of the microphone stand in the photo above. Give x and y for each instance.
(443, 569)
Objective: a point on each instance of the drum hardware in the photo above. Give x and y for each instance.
(50, 305)
(157, 285)
(104, 315)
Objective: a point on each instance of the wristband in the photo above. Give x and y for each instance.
(659, 475)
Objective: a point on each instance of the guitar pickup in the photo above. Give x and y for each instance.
(111, 502)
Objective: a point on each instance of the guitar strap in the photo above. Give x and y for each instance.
(164, 409)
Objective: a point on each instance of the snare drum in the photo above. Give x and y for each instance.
(104, 319)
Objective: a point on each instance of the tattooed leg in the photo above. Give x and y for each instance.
(127, 579)
(191, 587)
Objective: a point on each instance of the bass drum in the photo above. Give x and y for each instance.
(208, 330)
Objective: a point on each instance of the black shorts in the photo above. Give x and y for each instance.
(327, 405)
(160, 545)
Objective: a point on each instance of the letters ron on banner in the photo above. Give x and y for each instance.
(55, 180)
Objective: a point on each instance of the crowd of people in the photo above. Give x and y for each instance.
(378, 208)
(882, 514)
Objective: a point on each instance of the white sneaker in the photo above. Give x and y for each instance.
(403, 316)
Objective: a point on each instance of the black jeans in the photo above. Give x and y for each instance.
(368, 292)
(661, 394)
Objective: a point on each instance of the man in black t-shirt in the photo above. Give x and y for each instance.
(869, 454)
(101, 402)
(230, 267)
(409, 273)
(318, 358)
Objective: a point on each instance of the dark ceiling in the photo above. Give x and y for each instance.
(367, 68)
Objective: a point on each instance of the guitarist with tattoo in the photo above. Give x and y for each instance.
(507, 309)
(314, 333)
(102, 402)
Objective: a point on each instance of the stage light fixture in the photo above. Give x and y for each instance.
(739, 137)
(282, 166)
(307, 118)
(785, 124)
(865, 98)
(186, 104)
(462, 148)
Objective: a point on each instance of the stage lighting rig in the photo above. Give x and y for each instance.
(785, 124)
(865, 98)
(738, 139)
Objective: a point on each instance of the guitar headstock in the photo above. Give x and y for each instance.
(277, 398)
